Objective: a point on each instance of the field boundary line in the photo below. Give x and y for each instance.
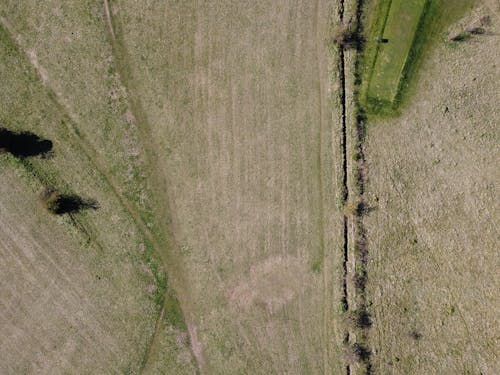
(345, 185)
(357, 320)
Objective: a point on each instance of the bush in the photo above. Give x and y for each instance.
(51, 200)
(362, 352)
(357, 319)
(352, 208)
(415, 335)
(346, 36)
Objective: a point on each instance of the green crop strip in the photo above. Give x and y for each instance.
(394, 47)
(408, 30)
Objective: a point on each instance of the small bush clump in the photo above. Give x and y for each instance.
(51, 200)
(347, 36)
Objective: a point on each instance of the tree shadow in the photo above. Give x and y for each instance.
(60, 204)
(23, 144)
(68, 204)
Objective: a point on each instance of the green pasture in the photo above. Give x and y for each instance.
(409, 27)
(399, 34)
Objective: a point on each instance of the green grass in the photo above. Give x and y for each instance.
(173, 313)
(387, 71)
(400, 29)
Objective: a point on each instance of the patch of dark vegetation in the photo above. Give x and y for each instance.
(363, 319)
(360, 278)
(360, 356)
(23, 144)
(362, 352)
(173, 313)
(358, 319)
(359, 208)
(415, 335)
(60, 204)
(477, 28)
(346, 36)
(460, 37)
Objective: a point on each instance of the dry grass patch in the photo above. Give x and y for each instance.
(59, 82)
(433, 237)
(236, 100)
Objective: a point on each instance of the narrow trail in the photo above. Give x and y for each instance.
(158, 179)
(153, 343)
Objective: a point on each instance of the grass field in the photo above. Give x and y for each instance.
(236, 95)
(389, 70)
(434, 230)
(84, 292)
(209, 140)
(212, 137)
(400, 30)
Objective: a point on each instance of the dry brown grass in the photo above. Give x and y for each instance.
(80, 291)
(209, 132)
(227, 107)
(61, 310)
(236, 97)
(434, 236)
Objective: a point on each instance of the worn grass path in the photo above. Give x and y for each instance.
(173, 267)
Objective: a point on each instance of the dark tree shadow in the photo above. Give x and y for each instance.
(60, 204)
(382, 40)
(68, 204)
(23, 144)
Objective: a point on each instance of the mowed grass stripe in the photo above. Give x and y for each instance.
(400, 30)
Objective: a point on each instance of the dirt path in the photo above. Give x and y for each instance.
(153, 344)
(158, 180)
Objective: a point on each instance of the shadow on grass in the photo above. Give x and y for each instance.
(60, 204)
(23, 144)
(73, 203)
